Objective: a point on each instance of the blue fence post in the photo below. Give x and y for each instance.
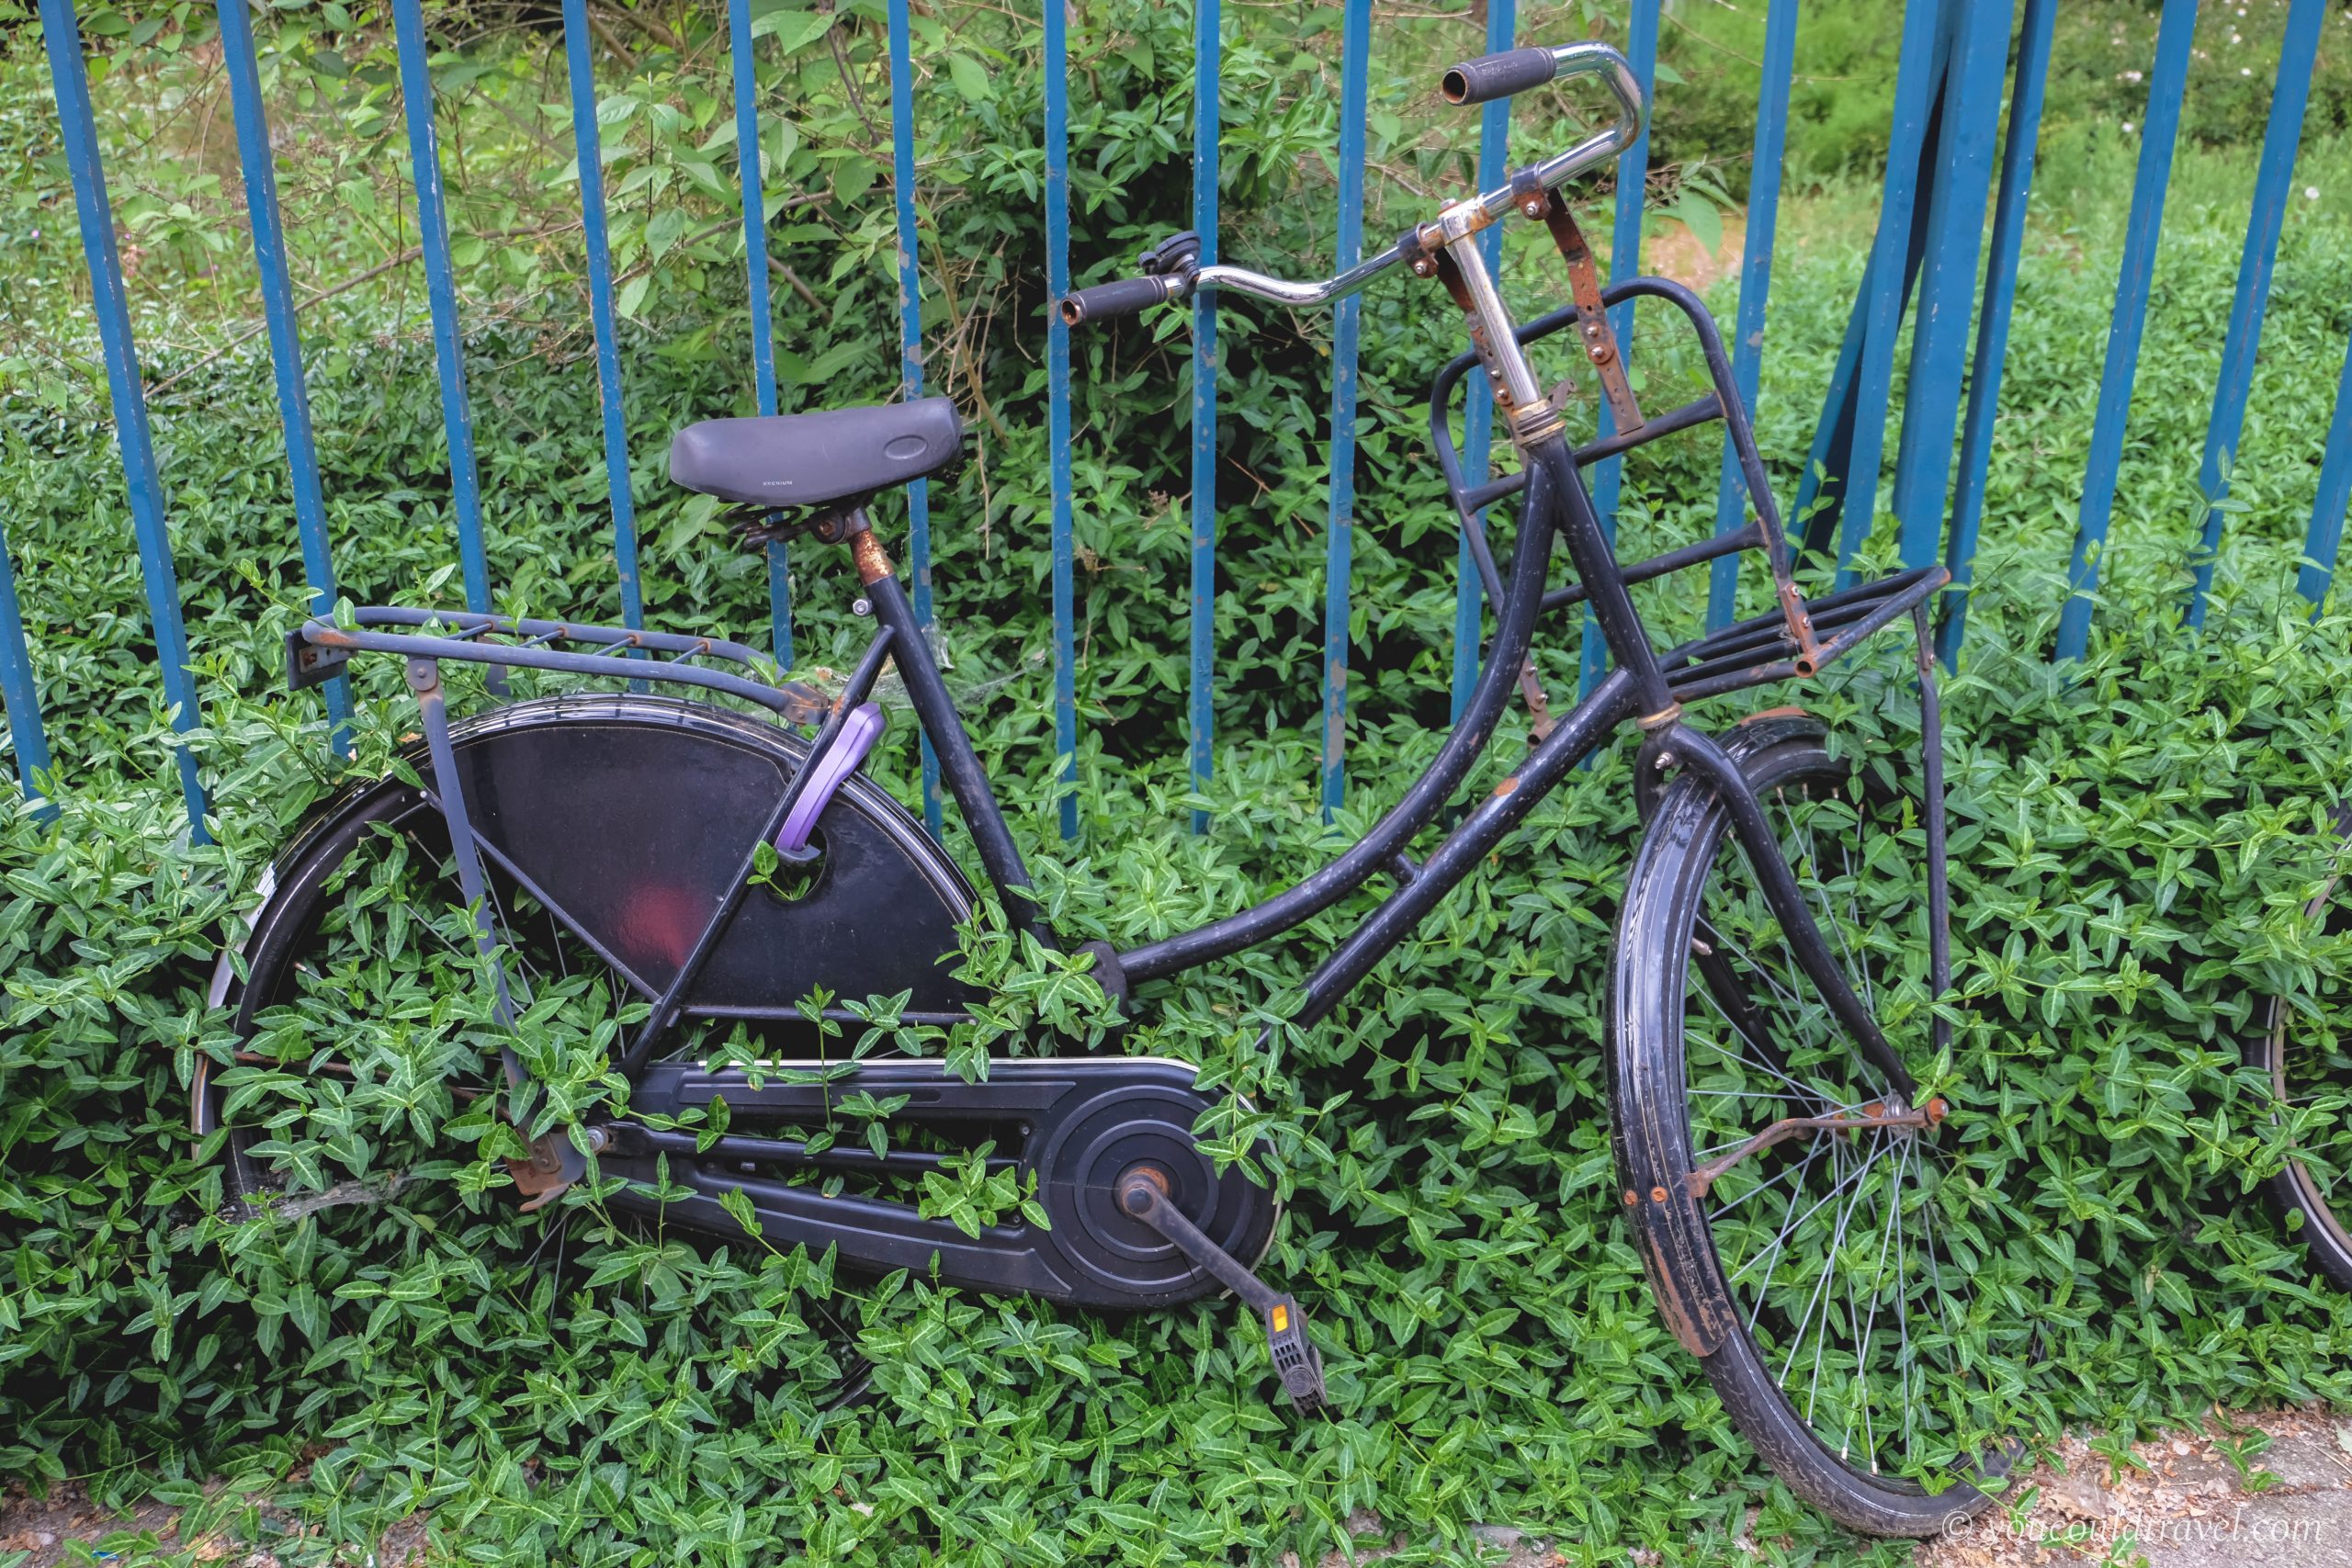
(1779, 67)
(1821, 489)
(1993, 324)
(1921, 71)
(588, 147)
(902, 180)
(258, 165)
(755, 269)
(2326, 531)
(21, 692)
(1202, 703)
(1057, 400)
(62, 32)
(1624, 261)
(441, 292)
(2272, 178)
(1970, 121)
(1355, 69)
(1477, 400)
(2165, 84)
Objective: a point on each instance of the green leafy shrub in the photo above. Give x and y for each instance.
(2134, 846)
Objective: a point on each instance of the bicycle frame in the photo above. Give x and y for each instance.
(1645, 686)
(1639, 688)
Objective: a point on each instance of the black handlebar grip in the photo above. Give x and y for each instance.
(1492, 76)
(1123, 297)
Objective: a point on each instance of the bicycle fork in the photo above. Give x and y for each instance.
(1537, 429)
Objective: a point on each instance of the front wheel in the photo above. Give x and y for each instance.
(2306, 1053)
(1808, 1227)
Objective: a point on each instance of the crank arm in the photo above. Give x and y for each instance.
(1143, 1193)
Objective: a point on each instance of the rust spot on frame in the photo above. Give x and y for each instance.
(873, 560)
(1507, 788)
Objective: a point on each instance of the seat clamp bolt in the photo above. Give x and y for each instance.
(861, 606)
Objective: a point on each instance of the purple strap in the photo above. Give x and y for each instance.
(858, 733)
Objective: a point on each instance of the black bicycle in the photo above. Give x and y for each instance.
(1787, 1138)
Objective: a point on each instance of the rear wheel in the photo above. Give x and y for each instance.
(353, 1063)
(2307, 1054)
(1808, 1229)
(362, 1009)
(369, 1051)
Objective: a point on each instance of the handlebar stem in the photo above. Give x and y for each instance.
(1517, 392)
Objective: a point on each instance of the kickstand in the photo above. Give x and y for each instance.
(1143, 1194)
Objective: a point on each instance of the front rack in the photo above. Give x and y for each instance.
(1797, 639)
(1751, 652)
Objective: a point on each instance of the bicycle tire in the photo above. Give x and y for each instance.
(2280, 1050)
(1660, 977)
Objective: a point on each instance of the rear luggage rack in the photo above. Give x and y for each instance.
(1750, 652)
(317, 651)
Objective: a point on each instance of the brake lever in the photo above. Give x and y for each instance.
(1175, 255)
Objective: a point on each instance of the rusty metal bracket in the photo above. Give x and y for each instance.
(1592, 317)
(1808, 661)
(541, 1178)
(1874, 1115)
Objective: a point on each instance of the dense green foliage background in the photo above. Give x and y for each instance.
(2136, 836)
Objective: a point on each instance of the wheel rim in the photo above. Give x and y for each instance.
(1844, 1244)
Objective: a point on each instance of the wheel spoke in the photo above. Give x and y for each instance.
(1797, 1171)
(1821, 1286)
(1805, 1095)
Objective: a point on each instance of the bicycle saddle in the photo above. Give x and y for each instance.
(807, 459)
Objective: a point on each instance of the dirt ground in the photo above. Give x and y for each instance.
(2183, 1503)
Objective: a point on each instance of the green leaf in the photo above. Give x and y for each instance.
(1702, 217)
(793, 31)
(970, 79)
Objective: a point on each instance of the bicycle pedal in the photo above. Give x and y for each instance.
(1297, 1361)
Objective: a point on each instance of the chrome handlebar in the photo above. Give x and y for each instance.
(1466, 217)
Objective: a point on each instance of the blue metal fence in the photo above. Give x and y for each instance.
(1941, 175)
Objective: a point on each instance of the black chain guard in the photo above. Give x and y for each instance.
(1078, 1124)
